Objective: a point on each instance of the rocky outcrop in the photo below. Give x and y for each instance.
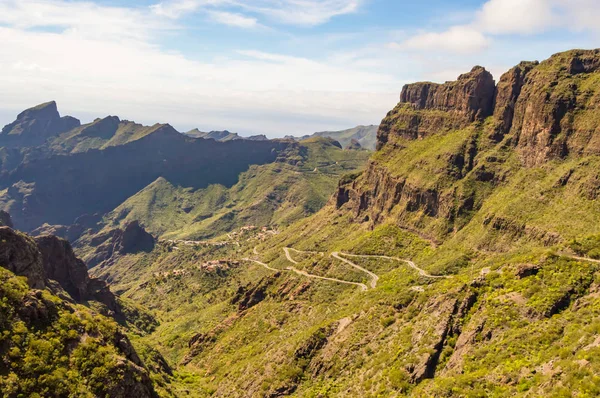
(20, 255)
(555, 114)
(5, 220)
(133, 239)
(116, 242)
(507, 93)
(250, 295)
(61, 265)
(48, 258)
(102, 128)
(354, 145)
(427, 108)
(34, 126)
(471, 95)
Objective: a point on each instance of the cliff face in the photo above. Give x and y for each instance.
(51, 268)
(34, 126)
(557, 109)
(427, 108)
(447, 148)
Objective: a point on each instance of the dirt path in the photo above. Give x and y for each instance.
(591, 260)
(362, 286)
(411, 264)
(261, 263)
(374, 277)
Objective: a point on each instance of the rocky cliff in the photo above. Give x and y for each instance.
(447, 148)
(428, 108)
(97, 354)
(34, 126)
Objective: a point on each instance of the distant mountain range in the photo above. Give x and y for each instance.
(224, 136)
(355, 138)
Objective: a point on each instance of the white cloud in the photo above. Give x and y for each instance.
(177, 8)
(90, 72)
(80, 18)
(457, 39)
(516, 16)
(293, 12)
(233, 19)
(508, 17)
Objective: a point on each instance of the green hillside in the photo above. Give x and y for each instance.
(459, 263)
(299, 184)
(366, 136)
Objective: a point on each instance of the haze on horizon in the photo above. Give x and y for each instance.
(264, 66)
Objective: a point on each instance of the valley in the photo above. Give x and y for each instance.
(461, 258)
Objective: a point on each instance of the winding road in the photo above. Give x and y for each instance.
(338, 256)
(411, 264)
(374, 277)
(362, 286)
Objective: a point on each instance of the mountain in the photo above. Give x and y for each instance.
(276, 194)
(54, 336)
(460, 262)
(34, 126)
(223, 136)
(366, 136)
(94, 168)
(460, 259)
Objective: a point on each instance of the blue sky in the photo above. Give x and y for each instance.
(265, 66)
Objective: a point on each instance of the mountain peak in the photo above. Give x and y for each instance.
(35, 125)
(47, 110)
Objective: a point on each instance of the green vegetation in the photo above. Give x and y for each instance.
(276, 194)
(49, 347)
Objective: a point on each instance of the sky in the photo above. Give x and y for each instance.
(273, 67)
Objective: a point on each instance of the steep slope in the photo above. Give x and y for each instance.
(51, 344)
(299, 184)
(60, 188)
(526, 174)
(479, 218)
(100, 134)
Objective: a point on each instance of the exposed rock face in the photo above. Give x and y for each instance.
(427, 108)
(34, 126)
(508, 92)
(5, 220)
(47, 258)
(556, 110)
(61, 265)
(539, 111)
(116, 242)
(133, 239)
(471, 95)
(20, 255)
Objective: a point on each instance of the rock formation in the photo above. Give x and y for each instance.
(538, 112)
(5, 220)
(427, 108)
(34, 126)
(61, 265)
(110, 244)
